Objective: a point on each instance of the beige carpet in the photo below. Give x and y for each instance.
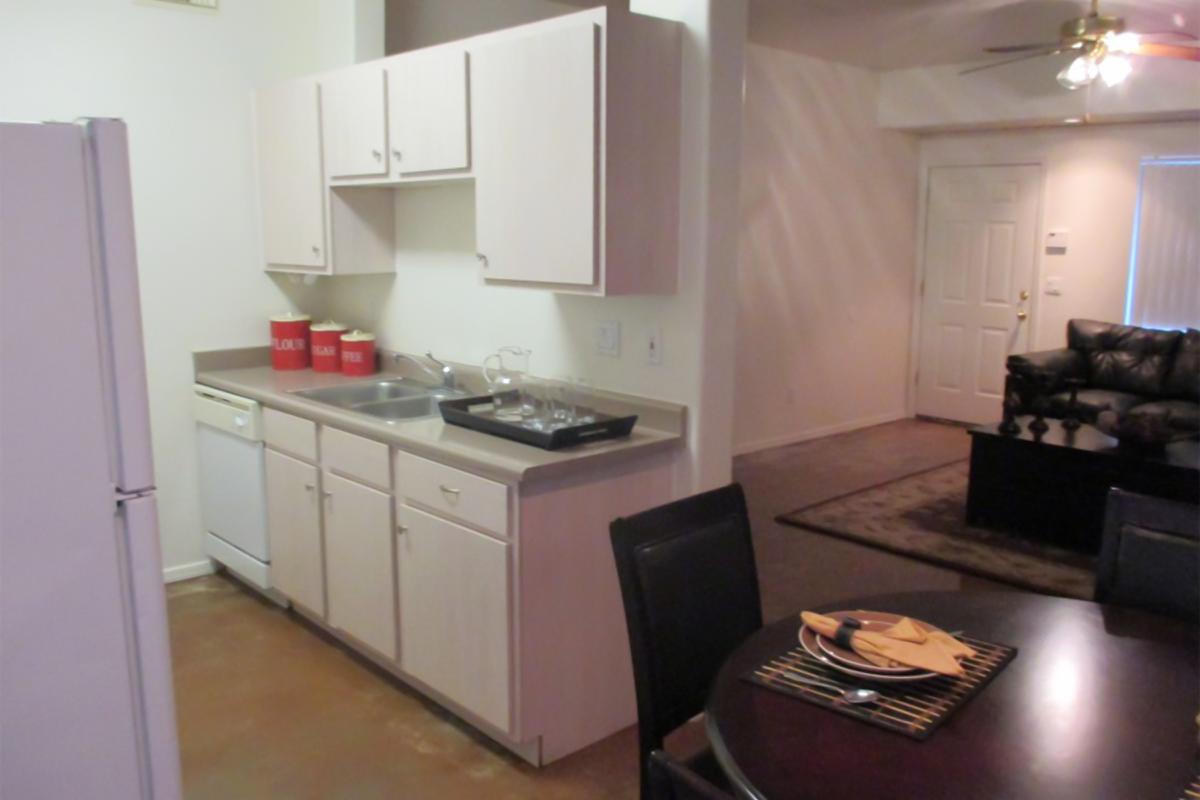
(923, 516)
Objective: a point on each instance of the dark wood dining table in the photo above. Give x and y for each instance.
(1100, 702)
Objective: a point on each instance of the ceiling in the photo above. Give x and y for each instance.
(891, 34)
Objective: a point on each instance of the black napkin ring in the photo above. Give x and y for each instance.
(845, 631)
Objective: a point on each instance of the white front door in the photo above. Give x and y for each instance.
(980, 240)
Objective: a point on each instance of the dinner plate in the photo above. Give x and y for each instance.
(809, 638)
(877, 621)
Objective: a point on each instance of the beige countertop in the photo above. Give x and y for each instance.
(660, 425)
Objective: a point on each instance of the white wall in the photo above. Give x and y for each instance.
(1090, 189)
(829, 205)
(437, 299)
(181, 79)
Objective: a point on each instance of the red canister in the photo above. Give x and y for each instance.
(327, 346)
(358, 353)
(289, 340)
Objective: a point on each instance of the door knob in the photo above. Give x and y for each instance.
(1022, 315)
(1024, 294)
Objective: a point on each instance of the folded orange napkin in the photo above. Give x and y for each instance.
(904, 643)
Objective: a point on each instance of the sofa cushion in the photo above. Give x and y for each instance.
(1183, 379)
(1181, 415)
(1090, 402)
(1124, 358)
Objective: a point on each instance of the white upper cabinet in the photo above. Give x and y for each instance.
(535, 155)
(355, 121)
(575, 137)
(291, 183)
(428, 111)
(569, 128)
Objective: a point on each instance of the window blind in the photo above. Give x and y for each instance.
(1164, 263)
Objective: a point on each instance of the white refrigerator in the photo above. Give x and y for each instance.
(86, 702)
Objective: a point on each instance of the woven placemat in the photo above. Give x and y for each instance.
(915, 709)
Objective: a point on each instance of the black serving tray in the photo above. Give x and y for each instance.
(478, 413)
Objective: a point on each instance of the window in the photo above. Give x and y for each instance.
(1164, 260)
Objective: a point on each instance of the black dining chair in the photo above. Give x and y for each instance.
(672, 780)
(1150, 555)
(690, 589)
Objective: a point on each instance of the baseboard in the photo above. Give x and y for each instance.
(182, 572)
(816, 433)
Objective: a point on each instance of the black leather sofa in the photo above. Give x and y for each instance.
(1126, 369)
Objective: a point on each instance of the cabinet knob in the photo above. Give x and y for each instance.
(401, 529)
(396, 154)
(482, 259)
(378, 155)
(316, 250)
(308, 487)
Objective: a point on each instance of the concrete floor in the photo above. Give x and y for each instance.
(271, 708)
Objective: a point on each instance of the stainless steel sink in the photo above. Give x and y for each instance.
(394, 399)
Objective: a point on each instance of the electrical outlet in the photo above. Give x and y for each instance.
(608, 338)
(654, 345)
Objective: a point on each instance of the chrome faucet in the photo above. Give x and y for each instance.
(444, 372)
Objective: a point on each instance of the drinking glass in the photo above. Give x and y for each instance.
(561, 398)
(583, 396)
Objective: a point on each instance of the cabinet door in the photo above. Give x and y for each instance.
(427, 111)
(359, 564)
(454, 612)
(294, 526)
(533, 110)
(355, 121)
(291, 183)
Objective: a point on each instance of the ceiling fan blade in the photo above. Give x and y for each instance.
(1027, 56)
(1020, 48)
(1177, 51)
(1177, 34)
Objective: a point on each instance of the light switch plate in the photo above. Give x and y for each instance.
(654, 345)
(1054, 285)
(608, 338)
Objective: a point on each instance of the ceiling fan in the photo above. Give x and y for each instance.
(1103, 46)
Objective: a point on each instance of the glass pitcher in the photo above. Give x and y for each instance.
(505, 371)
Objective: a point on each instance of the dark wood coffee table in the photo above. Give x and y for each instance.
(1053, 488)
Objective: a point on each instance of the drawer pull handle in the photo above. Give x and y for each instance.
(451, 494)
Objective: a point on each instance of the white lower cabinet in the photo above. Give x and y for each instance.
(358, 562)
(294, 527)
(455, 606)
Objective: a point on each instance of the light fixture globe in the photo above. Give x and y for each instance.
(1114, 69)
(1080, 72)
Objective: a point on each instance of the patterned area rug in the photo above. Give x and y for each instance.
(923, 516)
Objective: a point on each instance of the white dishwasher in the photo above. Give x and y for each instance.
(233, 486)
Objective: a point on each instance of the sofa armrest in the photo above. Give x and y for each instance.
(1025, 370)
(1058, 365)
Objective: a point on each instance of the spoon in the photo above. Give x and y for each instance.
(852, 696)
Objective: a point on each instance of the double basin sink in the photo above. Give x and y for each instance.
(391, 400)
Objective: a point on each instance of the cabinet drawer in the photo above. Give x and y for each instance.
(356, 457)
(290, 434)
(452, 492)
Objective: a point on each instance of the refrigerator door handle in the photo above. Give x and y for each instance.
(137, 529)
(117, 303)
